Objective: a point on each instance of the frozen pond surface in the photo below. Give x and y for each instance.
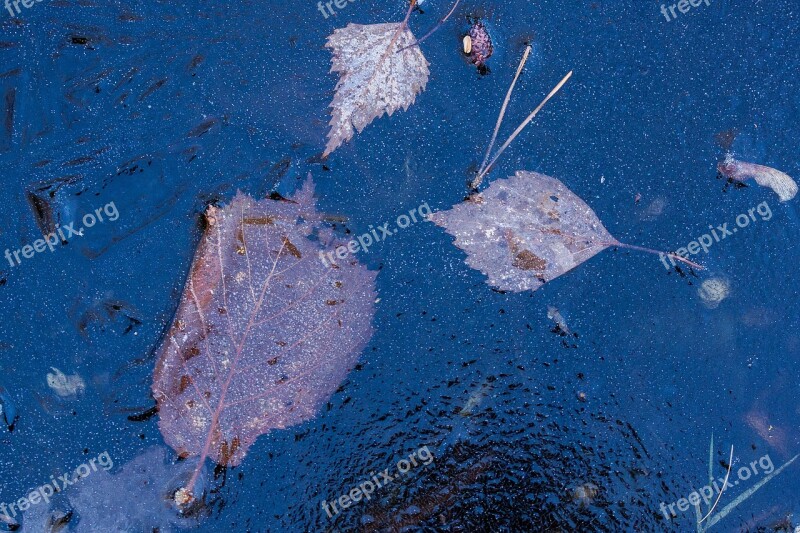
(146, 113)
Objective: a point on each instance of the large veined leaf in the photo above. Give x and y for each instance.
(526, 230)
(265, 331)
(380, 72)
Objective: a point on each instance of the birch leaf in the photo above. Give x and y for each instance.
(375, 77)
(265, 331)
(782, 184)
(526, 230)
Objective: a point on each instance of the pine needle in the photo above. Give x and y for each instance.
(699, 516)
(711, 461)
(724, 484)
(521, 127)
(503, 108)
(739, 499)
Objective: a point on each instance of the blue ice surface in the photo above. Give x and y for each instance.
(164, 107)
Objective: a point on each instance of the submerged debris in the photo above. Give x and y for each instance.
(8, 409)
(8, 524)
(560, 327)
(154, 480)
(525, 481)
(58, 520)
(759, 317)
(585, 494)
(712, 291)
(653, 210)
(64, 385)
(561, 324)
(476, 398)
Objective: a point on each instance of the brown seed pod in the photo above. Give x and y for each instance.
(481, 46)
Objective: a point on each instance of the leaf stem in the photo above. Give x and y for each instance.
(503, 108)
(521, 127)
(651, 251)
(403, 26)
(408, 13)
(438, 25)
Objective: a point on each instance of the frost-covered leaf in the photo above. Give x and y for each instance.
(374, 78)
(525, 231)
(783, 185)
(265, 331)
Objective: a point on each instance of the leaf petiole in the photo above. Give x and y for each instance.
(651, 251)
(438, 25)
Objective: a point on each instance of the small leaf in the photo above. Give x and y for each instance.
(783, 185)
(376, 77)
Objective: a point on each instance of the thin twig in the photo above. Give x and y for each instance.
(402, 26)
(503, 108)
(724, 484)
(439, 25)
(684, 260)
(521, 127)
